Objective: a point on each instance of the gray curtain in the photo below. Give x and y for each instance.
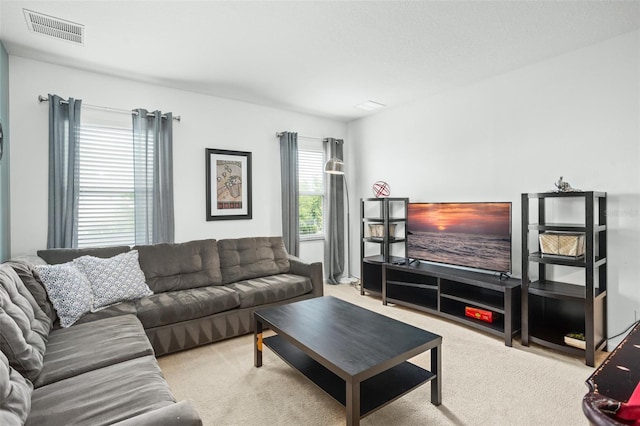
(334, 243)
(153, 177)
(64, 131)
(290, 191)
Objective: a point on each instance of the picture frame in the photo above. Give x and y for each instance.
(228, 184)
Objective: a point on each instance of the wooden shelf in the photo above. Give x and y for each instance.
(564, 260)
(414, 285)
(564, 227)
(379, 259)
(446, 291)
(561, 290)
(387, 214)
(375, 392)
(551, 309)
(381, 240)
(576, 194)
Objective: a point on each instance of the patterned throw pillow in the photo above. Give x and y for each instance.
(113, 280)
(68, 289)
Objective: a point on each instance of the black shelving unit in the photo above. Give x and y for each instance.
(551, 309)
(386, 212)
(446, 292)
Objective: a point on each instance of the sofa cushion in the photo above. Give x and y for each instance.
(103, 396)
(246, 258)
(15, 395)
(274, 288)
(21, 296)
(179, 266)
(182, 413)
(68, 289)
(23, 325)
(113, 280)
(85, 347)
(177, 306)
(124, 308)
(63, 255)
(32, 282)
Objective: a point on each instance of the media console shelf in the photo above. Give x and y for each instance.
(446, 291)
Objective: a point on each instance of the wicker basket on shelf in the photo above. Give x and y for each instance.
(376, 230)
(562, 244)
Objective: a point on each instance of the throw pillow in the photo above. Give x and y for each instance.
(68, 289)
(114, 280)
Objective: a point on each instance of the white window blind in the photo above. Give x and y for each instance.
(311, 187)
(106, 203)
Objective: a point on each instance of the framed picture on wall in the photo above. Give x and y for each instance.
(228, 184)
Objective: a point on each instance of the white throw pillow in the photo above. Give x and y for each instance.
(68, 289)
(113, 280)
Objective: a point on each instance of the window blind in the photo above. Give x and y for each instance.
(311, 190)
(106, 203)
(310, 172)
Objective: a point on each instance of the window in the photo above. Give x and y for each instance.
(106, 193)
(311, 187)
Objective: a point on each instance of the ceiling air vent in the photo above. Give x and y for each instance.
(54, 27)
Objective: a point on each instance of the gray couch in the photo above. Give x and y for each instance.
(102, 369)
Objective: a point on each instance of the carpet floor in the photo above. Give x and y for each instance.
(483, 381)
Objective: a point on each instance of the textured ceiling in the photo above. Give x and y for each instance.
(318, 57)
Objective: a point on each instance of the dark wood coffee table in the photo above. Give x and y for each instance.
(357, 356)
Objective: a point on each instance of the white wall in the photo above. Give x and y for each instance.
(207, 122)
(575, 115)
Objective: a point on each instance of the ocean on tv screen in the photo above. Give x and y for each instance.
(474, 235)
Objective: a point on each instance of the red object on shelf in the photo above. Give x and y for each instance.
(481, 314)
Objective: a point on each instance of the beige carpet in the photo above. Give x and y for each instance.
(483, 382)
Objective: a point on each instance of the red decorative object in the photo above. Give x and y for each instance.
(381, 189)
(481, 314)
(630, 410)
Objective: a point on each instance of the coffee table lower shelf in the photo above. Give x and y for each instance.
(375, 392)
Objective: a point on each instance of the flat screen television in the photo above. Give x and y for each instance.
(475, 235)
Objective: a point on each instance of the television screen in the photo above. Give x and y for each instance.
(474, 235)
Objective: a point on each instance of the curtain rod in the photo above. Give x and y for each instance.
(43, 99)
(278, 134)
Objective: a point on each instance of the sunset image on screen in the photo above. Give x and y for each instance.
(476, 235)
(468, 218)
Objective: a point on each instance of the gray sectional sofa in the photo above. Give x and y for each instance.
(102, 369)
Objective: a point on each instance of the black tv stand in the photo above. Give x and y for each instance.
(446, 291)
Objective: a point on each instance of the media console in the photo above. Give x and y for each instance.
(447, 291)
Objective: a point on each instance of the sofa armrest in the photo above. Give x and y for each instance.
(181, 413)
(311, 270)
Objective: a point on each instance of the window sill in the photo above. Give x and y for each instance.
(311, 238)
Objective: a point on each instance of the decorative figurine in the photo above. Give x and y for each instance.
(563, 186)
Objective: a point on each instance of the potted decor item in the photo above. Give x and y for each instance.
(576, 340)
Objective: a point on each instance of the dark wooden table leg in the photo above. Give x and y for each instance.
(436, 383)
(257, 353)
(353, 403)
